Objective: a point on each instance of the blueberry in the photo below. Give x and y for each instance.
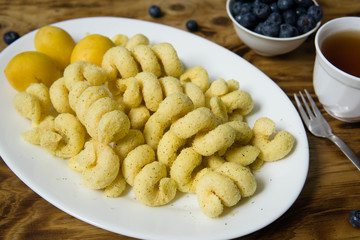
(300, 11)
(258, 28)
(270, 29)
(315, 12)
(235, 8)
(285, 4)
(274, 7)
(304, 3)
(305, 23)
(247, 20)
(256, 2)
(289, 16)
(192, 25)
(261, 10)
(275, 17)
(287, 30)
(155, 11)
(10, 37)
(267, 1)
(354, 218)
(245, 8)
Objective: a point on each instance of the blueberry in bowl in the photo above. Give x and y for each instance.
(274, 27)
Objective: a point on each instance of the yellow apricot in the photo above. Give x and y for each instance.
(91, 48)
(56, 43)
(31, 67)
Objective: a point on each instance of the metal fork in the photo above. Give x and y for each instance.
(318, 126)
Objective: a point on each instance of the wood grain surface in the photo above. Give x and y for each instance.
(332, 187)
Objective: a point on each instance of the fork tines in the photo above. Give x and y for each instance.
(310, 112)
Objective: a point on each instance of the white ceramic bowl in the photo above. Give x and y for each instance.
(338, 91)
(267, 46)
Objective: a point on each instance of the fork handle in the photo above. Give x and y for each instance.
(346, 150)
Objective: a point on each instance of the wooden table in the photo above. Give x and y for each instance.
(332, 187)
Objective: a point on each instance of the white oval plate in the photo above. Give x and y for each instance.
(279, 183)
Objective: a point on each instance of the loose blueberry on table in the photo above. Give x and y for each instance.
(192, 25)
(10, 37)
(277, 18)
(155, 11)
(354, 218)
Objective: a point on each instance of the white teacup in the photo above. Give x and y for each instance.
(338, 91)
